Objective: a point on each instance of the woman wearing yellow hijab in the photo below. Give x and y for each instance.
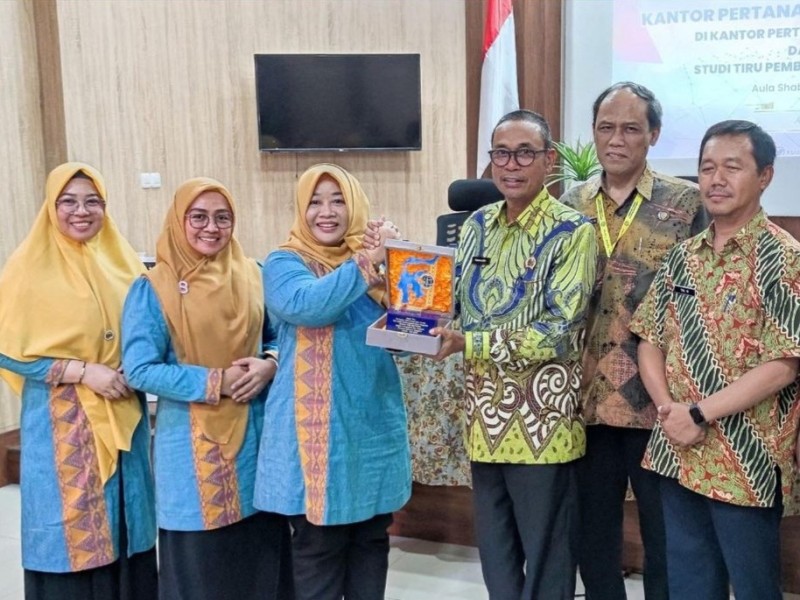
(334, 453)
(192, 331)
(88, 526)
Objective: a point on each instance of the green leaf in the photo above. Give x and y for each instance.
(577, 163)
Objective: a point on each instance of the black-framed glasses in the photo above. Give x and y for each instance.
(71, 205)
(523, 156)
(200, 220)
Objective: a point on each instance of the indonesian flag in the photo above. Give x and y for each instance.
(498, 75)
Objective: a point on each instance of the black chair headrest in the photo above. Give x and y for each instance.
(471, 194)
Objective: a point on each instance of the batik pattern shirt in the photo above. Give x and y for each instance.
(716, 316)
(522, 292)
(671, 212)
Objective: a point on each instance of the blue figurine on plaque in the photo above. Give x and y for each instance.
(419, 282)
(415, 284)
(420, 289)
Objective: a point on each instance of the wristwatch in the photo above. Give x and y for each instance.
(697, 415)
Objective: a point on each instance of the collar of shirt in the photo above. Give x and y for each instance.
(496, 214)
(644, 187)
(745, 239)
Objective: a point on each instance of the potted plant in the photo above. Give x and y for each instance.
(575, 163)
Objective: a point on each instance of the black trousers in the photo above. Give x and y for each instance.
(613, 456)
(526, 524)
(248, 560)
(713, 544)
(332, 562)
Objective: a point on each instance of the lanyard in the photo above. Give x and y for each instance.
(601, 221)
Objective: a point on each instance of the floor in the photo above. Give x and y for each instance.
(10, 562)
(418, 570)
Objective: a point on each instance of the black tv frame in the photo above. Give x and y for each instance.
(353, 57)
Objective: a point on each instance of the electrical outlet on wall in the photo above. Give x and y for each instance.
(150, 180)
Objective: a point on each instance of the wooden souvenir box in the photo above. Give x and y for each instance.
(419, 282)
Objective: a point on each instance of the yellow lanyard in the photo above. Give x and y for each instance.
(603, 224)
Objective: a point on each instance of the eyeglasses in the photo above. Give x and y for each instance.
(523, 156)
(71, 205)
(200, 220)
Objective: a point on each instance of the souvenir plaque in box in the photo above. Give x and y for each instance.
(419, 280)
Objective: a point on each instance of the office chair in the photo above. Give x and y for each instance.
(448, 228)
(463, 196)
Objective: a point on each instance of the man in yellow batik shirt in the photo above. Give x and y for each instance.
(525, 267)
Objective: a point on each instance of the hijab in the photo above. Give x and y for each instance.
(302, 240)
(62, 299)
(214, 308)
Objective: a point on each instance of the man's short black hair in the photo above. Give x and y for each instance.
(654, 111)
(531, 117)
(762, 142)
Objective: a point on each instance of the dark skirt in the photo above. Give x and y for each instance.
(129, 578)
(250, 559)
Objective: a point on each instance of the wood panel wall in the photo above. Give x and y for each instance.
(168, 87)
(21, 144)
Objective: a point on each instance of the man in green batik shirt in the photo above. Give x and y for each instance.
(720, 341)
(525, 267)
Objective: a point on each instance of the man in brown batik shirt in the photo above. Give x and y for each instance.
(639, 215)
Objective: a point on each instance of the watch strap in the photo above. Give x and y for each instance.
(697, 414)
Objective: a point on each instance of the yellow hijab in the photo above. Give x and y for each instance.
(63, 299)
(219, 318)
(302, 241)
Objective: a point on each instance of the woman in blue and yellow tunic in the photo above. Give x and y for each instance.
(334, 454)
(88, 523)
(192, 329)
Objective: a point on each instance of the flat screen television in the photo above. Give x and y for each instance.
(341, 102)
